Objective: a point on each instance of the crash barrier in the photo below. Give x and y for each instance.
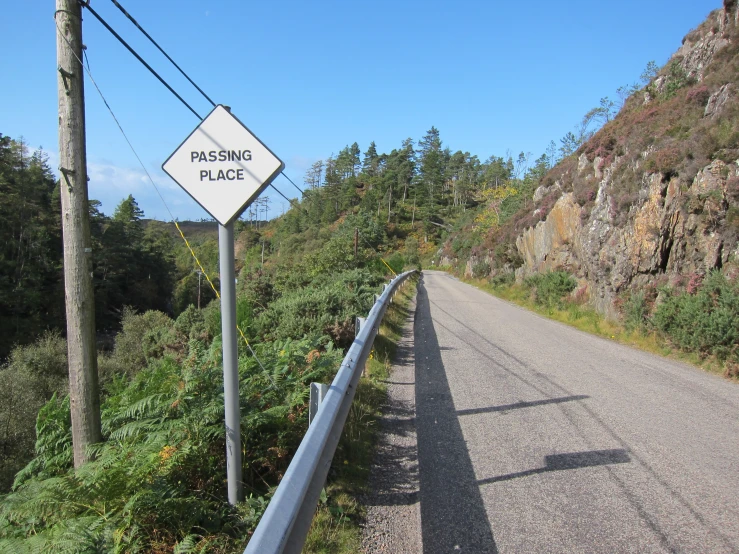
(285, 524)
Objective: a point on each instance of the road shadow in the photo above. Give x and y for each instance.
(518, 405)
(453, 516)
(573, 460)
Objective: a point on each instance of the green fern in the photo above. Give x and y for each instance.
(159, 477)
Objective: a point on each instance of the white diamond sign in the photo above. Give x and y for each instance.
(223, 166)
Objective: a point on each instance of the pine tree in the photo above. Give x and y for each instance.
(369, 164)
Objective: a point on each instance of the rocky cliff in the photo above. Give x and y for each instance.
(653, 197)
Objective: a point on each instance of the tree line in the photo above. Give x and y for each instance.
(133, 264)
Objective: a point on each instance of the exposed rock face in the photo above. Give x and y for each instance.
(548, 245)
(718, 100)
(475, 266)
(654, 226)
(542, 190)
(672, 232)
(697, 51)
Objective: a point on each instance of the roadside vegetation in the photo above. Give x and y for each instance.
(699, 324)
(336, 527)
(157, 482)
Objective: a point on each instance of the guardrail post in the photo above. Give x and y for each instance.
(359, 324)
(317, 394)
(361, 321)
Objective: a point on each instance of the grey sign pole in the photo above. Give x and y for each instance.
(230, 362)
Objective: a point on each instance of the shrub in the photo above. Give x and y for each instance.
(677, 78)
(480, 269)
(635, 311)
(551, 288)
(33, 374)
(506, 253)
(157, 483)
(707, 321)
(327, 306)
(411, 252)
(699, 95)
(665, 160)
(140, 339)
(19, 405)
(191, 324)
(397, 262)
(503, 279)
(45, 361)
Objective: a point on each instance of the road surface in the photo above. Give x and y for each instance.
(531, 436)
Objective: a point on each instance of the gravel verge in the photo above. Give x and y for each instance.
(393, 521)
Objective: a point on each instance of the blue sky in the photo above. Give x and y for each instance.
(309, 78)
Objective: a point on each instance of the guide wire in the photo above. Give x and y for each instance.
(148, 175)
(85, 4)
(376, 252)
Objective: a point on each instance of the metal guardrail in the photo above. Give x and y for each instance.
(285, 524)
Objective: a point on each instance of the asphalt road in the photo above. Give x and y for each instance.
(535, 437)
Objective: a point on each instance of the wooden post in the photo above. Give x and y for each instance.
(78, 291)
(389, 203)
(356, 242)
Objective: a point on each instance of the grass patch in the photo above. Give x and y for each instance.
(335, 528)
(585, 318)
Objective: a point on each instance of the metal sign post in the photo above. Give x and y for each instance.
(230, 362)
(224, 168)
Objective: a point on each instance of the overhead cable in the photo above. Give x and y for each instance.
(140, 28)
(139, 58)
(293, 184)
(187, 243)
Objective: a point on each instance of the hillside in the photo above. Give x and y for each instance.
(639, 219)
(652, 198)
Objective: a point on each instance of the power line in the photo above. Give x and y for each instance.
(293, 184)
(278, 192)
(120, 128)
(140, 28)
(100, 92)
(139, 58)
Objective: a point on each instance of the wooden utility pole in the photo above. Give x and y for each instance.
(83, 377)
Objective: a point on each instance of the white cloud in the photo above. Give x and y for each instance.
(110, 183)
(126, 179)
